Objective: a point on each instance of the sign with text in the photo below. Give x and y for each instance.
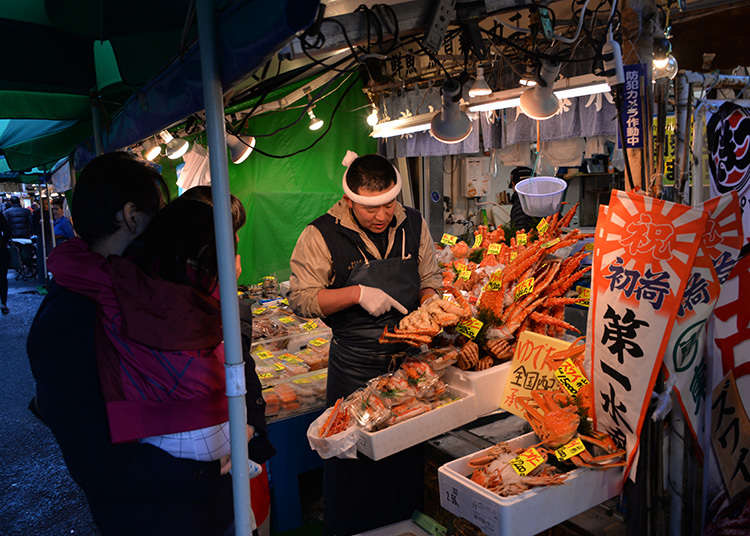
(723, 238)
(730, 435)
(530, 369)
(631, 113)
(643, 255)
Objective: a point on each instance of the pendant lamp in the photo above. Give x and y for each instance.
(540, 102)
(450, 124)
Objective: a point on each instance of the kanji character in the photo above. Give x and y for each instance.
(618, 436)
(643, 236)
(722, 401)
(698, 385)
(622, 279)
(723, 265)
(741, 466)
(696, 291)
(615, 374)
(712, 234)
(622, 334)
(739, 309)
(734, 426)
(633, 122)
(519, 375)
(615, 410)
(652, 287)
(531, 378)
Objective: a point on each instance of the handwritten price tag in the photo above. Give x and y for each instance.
(465, 275)
(460, 267)
(477, 241)
(524, 287)
(318, 342)
(584, 292)
(259, 311)
(287, 320)
(494, 248)
(470, 327)
(264, 355)
(571, 377)
(448, 239)
(290, 358)
(494, 284)
(513, 255)
(570, 449)
(542, 226)
(279, 366)
(265, 375)
(551, 243)
(521, 239)
(527, 461)
(310, 325)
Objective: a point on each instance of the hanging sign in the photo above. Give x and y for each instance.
(724, 237)
(730, 435)
(643, 254)
(731, 321)
(631, 113)
(531, 369)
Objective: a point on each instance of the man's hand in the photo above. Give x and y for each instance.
(225, 462)
(376, 302)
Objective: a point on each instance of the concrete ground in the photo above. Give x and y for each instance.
(38, 496)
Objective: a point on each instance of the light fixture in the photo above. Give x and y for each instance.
(528, 82)
(372, 119)
(480, 87)
(450, 124)
(315, 122)
(175, 147)
(540, 102)
(403, 125)
(662, 49)
(151, 149)
(240, 147)
(667, 69)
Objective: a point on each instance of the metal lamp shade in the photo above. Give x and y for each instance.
(240, 149)
(450, 124)
(539, 102)
(176, 148)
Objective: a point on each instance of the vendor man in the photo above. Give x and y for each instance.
(362, 266)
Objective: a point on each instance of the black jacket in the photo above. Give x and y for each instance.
(19, 220)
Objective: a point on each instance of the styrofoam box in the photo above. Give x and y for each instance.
(527, 513)
(487, 385)
(383, 443)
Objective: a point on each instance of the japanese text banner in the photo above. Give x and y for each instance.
(643, 255)
(723, 238)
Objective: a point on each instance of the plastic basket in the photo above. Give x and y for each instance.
(541, 196)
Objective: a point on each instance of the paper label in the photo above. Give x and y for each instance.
(465, 275)
(310, 325)
(265, 375)
(542, 226)
(494, 284)
(521, 239)
(470, 327)
(287, 320)
(259, 311)
(524, 287)
(495, 248)
(318, 342)
(527, 461)
(448, 239)
(570, 449)
(290, 358)
(279, 366)
(264, 355)
(284, 302)
(730, 435)
(477, 241)
(584, 292)
(460, 266)
(513, 255)
(551, 243)
(570, 377)
(302, 381)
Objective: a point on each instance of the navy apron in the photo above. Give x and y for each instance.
(363, 494)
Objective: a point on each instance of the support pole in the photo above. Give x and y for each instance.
(44, 242)
(51, 219)
(225, 254)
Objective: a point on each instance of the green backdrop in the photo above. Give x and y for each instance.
(282, 196)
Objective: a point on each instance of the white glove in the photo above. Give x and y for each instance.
(376, 302)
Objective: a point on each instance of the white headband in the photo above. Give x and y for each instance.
(369, 201)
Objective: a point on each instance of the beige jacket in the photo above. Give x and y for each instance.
(312, 266)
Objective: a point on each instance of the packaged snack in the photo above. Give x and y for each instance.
(312, 359)
(273, 402)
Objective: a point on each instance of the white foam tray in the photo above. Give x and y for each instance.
(527, 513)
(383, 443)
(487, 385)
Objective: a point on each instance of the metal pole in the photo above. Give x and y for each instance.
(96, 122)
(44, 242)
(225, 254)
(51, 219)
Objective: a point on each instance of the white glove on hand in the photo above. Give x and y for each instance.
(376, 302)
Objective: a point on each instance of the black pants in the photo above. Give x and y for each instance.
(4, 265)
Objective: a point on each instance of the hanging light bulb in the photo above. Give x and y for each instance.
(540, 102)
(450, 124)
(480, 86)
(151, 149)
(175, 147)
(662, 49)
(372, 119)
(315, 122)
(665, 69)
(240, 147)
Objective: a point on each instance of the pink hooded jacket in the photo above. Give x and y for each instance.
(159, 350)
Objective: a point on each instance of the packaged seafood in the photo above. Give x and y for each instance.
(368, 409)
(393, 389)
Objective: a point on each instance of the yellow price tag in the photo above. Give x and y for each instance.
(477, 241)
(551, 243)
(279, 366)
(470, 327)
(521, 239)
(310, 325)
(494, 284)
(524, 287)
(465, 275)
(584, 292)
(284, 302)
(287, 320)
(527, 461)
(318, 342)
(290, 358)
(460, 266)
(589, 246)
(302, 381)
(494, 248)
(513, 255)
(265, 375)
(264, 355)
(570, 449)
(259, 311)
(448, 239)
(542, 226)
(570, 377)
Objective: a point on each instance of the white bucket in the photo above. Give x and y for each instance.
(541, 196)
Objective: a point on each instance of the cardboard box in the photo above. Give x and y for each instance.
(527, 513)
(487, 385)
(383, 443)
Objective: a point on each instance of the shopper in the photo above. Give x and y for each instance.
(18, 218)
(519, 220)
(133, 487)
(4, 263)
(362, 266)
(62, 227)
